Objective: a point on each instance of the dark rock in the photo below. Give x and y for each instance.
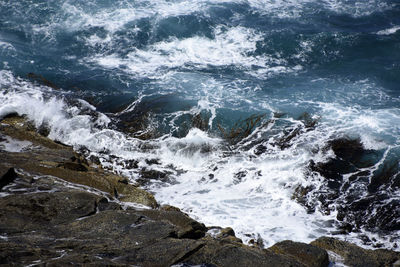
(169, 208)
(365, 198)
(228, 231)
(241, 129)
(308, 121)
(188, 228)
(74, 166)
(94, 160)
(131, 164)
(228, 234)
(153, 161)
(300, 195)
(14, 253)
(223, 253)
(103, 204)
(309, 255)
(356, 256)
(259, 243)
(165, 252)
(238, 177)
(44, 130)
(260, 149)
(198, 121)
(39, 78)
(352, 150)
(8, 177)
(152, 174)
(288, 135)
(32, 211)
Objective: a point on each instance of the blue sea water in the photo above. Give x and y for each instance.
(168, 80)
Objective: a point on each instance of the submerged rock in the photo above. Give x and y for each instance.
(362, 192)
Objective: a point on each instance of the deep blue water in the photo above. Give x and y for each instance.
(336, 61)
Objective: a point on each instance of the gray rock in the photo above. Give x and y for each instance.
(225, 253)
(356, 256)
(309, 255)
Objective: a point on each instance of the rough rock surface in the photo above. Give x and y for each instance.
(311, 256)
(45, 220)
(358, 257)
(45, 157)
(58, 209)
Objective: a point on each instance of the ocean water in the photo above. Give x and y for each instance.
(280, 119)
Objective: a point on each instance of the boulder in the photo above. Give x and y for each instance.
(309, 255)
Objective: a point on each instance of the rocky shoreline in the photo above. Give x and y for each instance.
(58, 208)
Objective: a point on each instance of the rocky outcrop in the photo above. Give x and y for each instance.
(358, 257)
(45, 157)
(309, 255)
(45, 220)
(57, 208)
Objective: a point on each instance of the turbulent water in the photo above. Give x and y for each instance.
(278, 118)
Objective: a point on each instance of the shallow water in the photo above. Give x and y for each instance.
(168, 80)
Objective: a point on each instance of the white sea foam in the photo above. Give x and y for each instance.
(230, 47)
(74, 16)
(389, 31)
(6, 47)
(12, 145)
(356, 8)
(217, 185)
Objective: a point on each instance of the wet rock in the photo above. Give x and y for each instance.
(308, 121)
(352, 150)
(131, 164)
(14, 254)
(44, 130)
(228, 231)
(363, 197)
(260, 149)
(166, 252)
(200, 121)
(146, 175)
(257, 242)
(228, 234)
(169, 208)
(300, 195)
(103, 204)
(153, 161)
(309, 255)
(224, 253)
(239, 176)
(356, 256)
(39, 78)
(241, 129)
(52, 219)
(188, 228)
(38, 210)
(288, 135)
(73, 166)
(48, 155)
(152, 174)
(8, 177)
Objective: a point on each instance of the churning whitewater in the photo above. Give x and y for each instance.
(280, 119)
